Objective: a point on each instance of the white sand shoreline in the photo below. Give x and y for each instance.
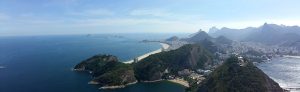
(181, 82)
(177, 81)
(117, 86)
(164, 46)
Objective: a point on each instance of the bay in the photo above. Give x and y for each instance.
(43, 63)
(284, 70)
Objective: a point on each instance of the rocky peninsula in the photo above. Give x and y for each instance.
(107, 71)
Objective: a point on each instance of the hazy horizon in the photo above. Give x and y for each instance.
(56, 17)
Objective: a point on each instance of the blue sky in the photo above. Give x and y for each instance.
(40, 17)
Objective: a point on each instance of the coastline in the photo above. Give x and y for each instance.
(117, 86)
(164, 46)
(180, 81)
(153, 81)
(177, 81)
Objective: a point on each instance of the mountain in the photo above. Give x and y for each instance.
(274, 35)
(223, 40)
(233, 34)
(213, 30)
(238, 75)
(173, 38)
(210, 43)
(270, 34)
(191, 56)
(199, 36)
(107, 71)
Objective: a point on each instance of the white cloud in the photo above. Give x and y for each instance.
(4, 16)
(100, 25)
(167, 23)
(93, 12)
(150, 12)
(118, 22)
(27, 15)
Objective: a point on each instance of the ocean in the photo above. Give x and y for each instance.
(285, 71)
(43, 63)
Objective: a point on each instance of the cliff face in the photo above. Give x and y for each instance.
(186, 57)
(107, 71)
(237, 75)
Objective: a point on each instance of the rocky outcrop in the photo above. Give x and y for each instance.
(107, 71)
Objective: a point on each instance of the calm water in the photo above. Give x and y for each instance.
(285, 71)
(43, 63)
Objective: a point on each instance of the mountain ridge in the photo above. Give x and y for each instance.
(270, 34)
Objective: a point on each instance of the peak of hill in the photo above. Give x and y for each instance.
(212, 30)
(199, 36)
(238, 75)
(173, 38)
(223, 40)
(210, 43)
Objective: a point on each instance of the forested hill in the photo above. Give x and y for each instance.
(238, 75)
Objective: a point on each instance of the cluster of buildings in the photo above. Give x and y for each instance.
(255, 50)
(197, 76)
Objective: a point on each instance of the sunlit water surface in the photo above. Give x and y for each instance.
(285, 71)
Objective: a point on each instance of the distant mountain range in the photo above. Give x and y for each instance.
(270, 34)
(200, 36)
(213, 44)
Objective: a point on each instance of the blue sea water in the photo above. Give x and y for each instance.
(43, 63)
(285, 71)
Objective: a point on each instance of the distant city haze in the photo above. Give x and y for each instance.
(52, 17)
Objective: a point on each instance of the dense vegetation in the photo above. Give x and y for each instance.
(231, 77)
(107, 71)
(187, 57)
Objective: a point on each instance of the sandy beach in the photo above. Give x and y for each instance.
(163, 45)
(180, 81)
(117, 86)
(152, 81)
